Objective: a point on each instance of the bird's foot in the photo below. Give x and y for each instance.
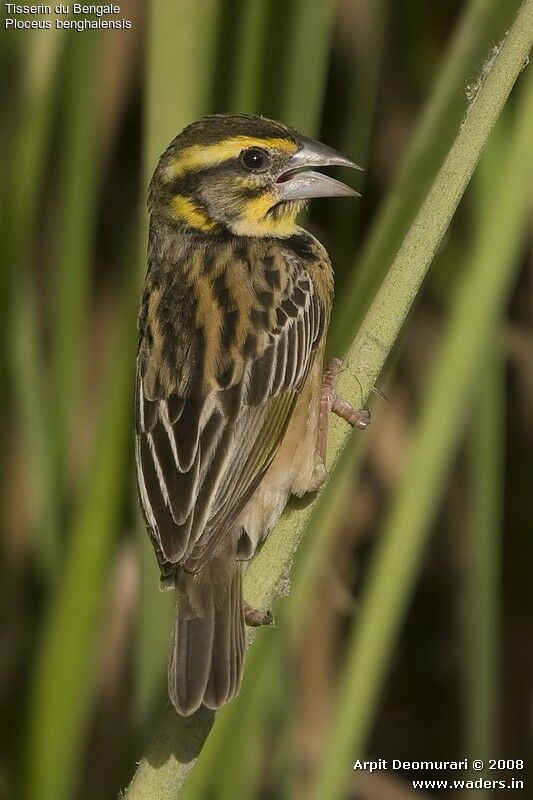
(255, 618)
(332, 402)
(356, 417)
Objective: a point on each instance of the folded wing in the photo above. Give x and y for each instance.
(200, 455)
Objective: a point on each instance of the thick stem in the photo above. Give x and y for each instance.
(164, 769)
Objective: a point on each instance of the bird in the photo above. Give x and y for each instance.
(232, 395)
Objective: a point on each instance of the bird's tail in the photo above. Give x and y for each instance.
(207, 643)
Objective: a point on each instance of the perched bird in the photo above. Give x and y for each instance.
(232, 399)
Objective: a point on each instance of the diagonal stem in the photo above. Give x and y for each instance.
(167, 763)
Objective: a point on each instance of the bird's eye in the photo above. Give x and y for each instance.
(255, 158)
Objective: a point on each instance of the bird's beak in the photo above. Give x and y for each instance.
(299, 182)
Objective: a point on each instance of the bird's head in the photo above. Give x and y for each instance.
(248, 174)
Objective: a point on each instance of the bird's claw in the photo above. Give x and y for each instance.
(255, 618)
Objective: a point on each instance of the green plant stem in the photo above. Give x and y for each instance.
(262, 659)
(212, 757)
(382, 324)
(238, 775)
(245, 95)
(487, 458)
(64, 663)
(169, 56)
(249, 54)
(80, 171)
(26, 174)
(482, 24)
(168, 761)
(480, 301)
(307, 39)
(353, 135)
(180, 58)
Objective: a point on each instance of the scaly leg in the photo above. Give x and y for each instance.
(331, 402)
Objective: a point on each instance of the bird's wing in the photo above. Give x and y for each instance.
(200, 456)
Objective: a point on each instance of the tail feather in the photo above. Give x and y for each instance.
(238, 644)
(207, 652)
(228, 648)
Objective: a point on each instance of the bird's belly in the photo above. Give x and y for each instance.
(292, 468)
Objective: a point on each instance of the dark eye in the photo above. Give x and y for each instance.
(255, 158)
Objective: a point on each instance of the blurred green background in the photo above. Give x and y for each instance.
(83, 626)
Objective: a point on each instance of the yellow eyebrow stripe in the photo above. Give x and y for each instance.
(199, 157)
(185, 210)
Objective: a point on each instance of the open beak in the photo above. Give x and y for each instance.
(299, 181)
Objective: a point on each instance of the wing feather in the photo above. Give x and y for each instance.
(200, 455)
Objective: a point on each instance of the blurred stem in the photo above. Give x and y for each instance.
(314, 550)
(306, 47)
(366, 57)
(221, 739)
(64, 663)
(364, 80)
(486, 486)
(482, 24)
(479, 303)
(180, 58)
(487, 459)
(168, 761)
(28, 381)
(263, 658)
(239, 775)
(244, 94)
(75, 247)
(181, 53)
(20, 201)
(28, 163)
(244, 97)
